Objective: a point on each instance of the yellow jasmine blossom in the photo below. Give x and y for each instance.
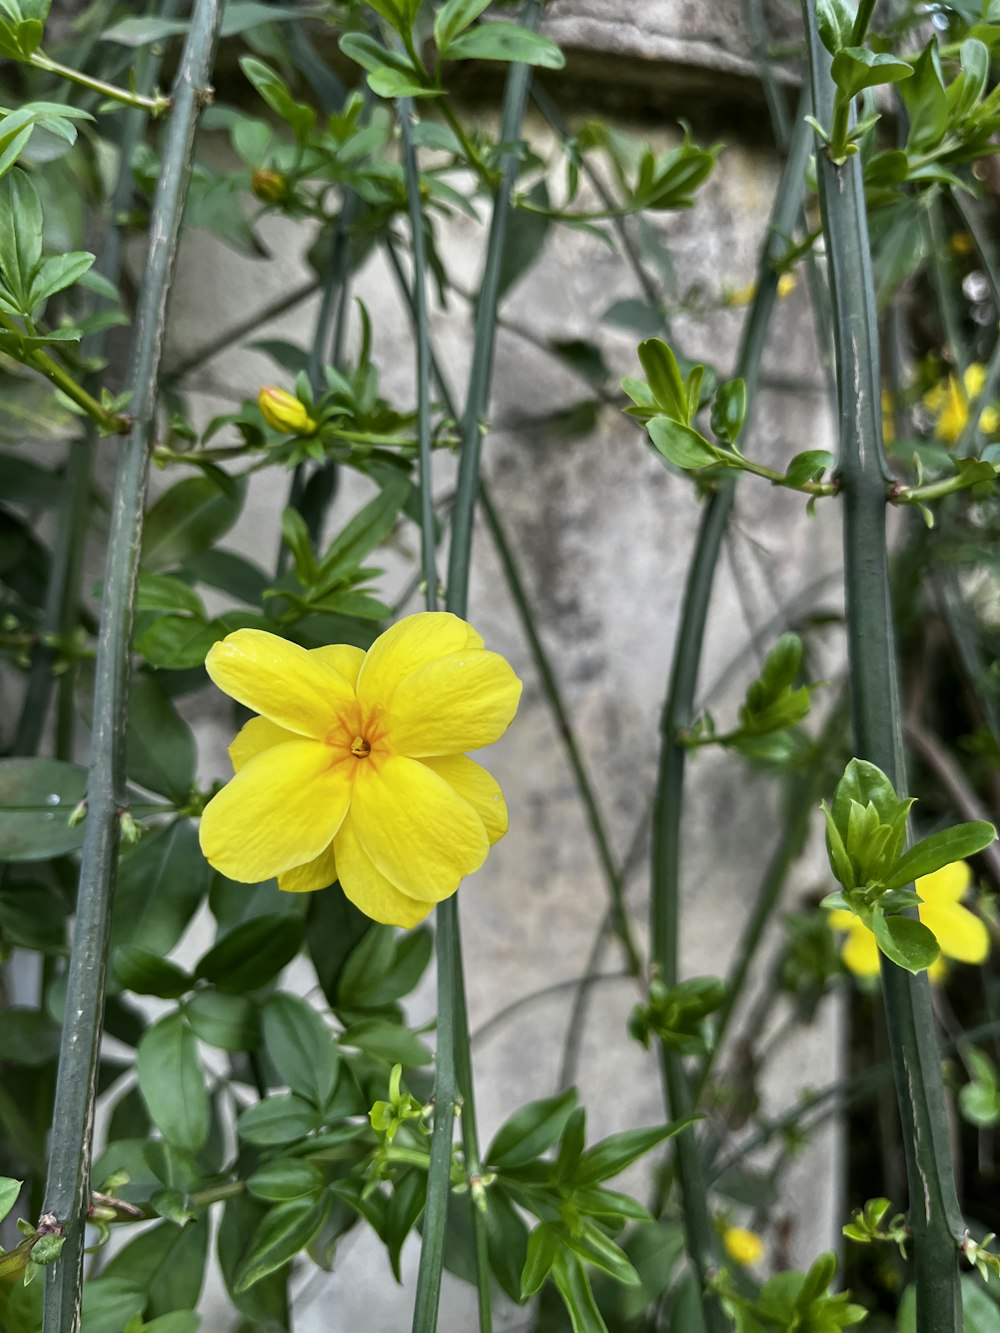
(950, 406)
(742, 1245)
(355, 769)
(744, 295)
(960, 934)
(283, 411)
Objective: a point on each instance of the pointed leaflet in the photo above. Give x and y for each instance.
(20, 232)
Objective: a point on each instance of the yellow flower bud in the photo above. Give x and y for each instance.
(270, 186)
(283, 411)
(742, 1245)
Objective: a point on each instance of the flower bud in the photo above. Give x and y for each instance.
(283, 411)
(270, 186)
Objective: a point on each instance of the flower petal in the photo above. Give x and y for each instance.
(258, 735)
(406, 647)
(279, 811)
(319, 873)
(947, 885)
(343, 657)
(460, 702)
(960, 934)
(421, 835)
(860, 952)
(369, 890)
(279, 680)
(479, 788)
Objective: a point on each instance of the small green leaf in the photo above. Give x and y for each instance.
(37, 797)
(543, 1245)
(454, 17)
(939, 850)
(301, 1047)
(187, 519)
(808, 466)
(279, 1119)
(9, 1190)
(835, 20)
(385, 1040)
(146, 973)
(665, 380)
(680, 444)
(507, 42)
(729, 410)
(284, 1179)
(229, 1022)
(285, 1230)
(172, 1083)
(906, 942)
(573, 1285)
(161, 748)
(612, 1155)
(856, 68)
(253, 953)
(530, 1131)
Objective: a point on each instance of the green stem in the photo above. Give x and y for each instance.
(861, 21)
(428, 533)
(934, 1212)
(67, 1191)
(63, 593)
(944, 291)
(62, 379)
(595, 819)
(477, 397)
(452, 1028)
(156, 105)
(678, 715)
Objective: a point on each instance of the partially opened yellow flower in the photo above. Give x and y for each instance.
(742, 1245)
(960, 934)
(355, 768)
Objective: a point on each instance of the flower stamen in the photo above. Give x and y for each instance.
(360, 748)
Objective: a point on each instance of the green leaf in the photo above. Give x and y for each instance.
(161, 884)
(505, 41)
(253, 953)
(729, 410)
(284, 1179)
(178, 642)
(543, 1245)
(665, 379)
(146, 973)
(284, 1231)
(808, 466)
(55, 274)
(9, 1190)
(229, 1022)
(835, 21)
(37, 797)
(571, 1279)
(680, 444)
(388, 82)
(906, 942)
(279, 1119)
(187, 519)
(20, 233)
(454, 17)
(939, 850)
(926, 102)
(164, 592)
(612, 1155)
(161, 749)
(385, 1040)
(172, 1083)
(167, 1263)
(590, 1243)
(530, 1131)
(369, 528)
(275, 93)
(301, 1047)
(28, 1037)
(855, 68)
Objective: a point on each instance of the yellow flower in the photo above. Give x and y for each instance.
(283, 411)
(960, 934)
(742, 1245)
(355, 768)
(270, 186)
(744, 295)
(950, 406)
(888, 424)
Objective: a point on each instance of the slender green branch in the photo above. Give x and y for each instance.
(428, 542)
(937, 248)
(67, 1191)
(678, 715)
(861, 21)
(63, 593)
(477, 397)
(62, 379)
(155, 105)
(934, 1212)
